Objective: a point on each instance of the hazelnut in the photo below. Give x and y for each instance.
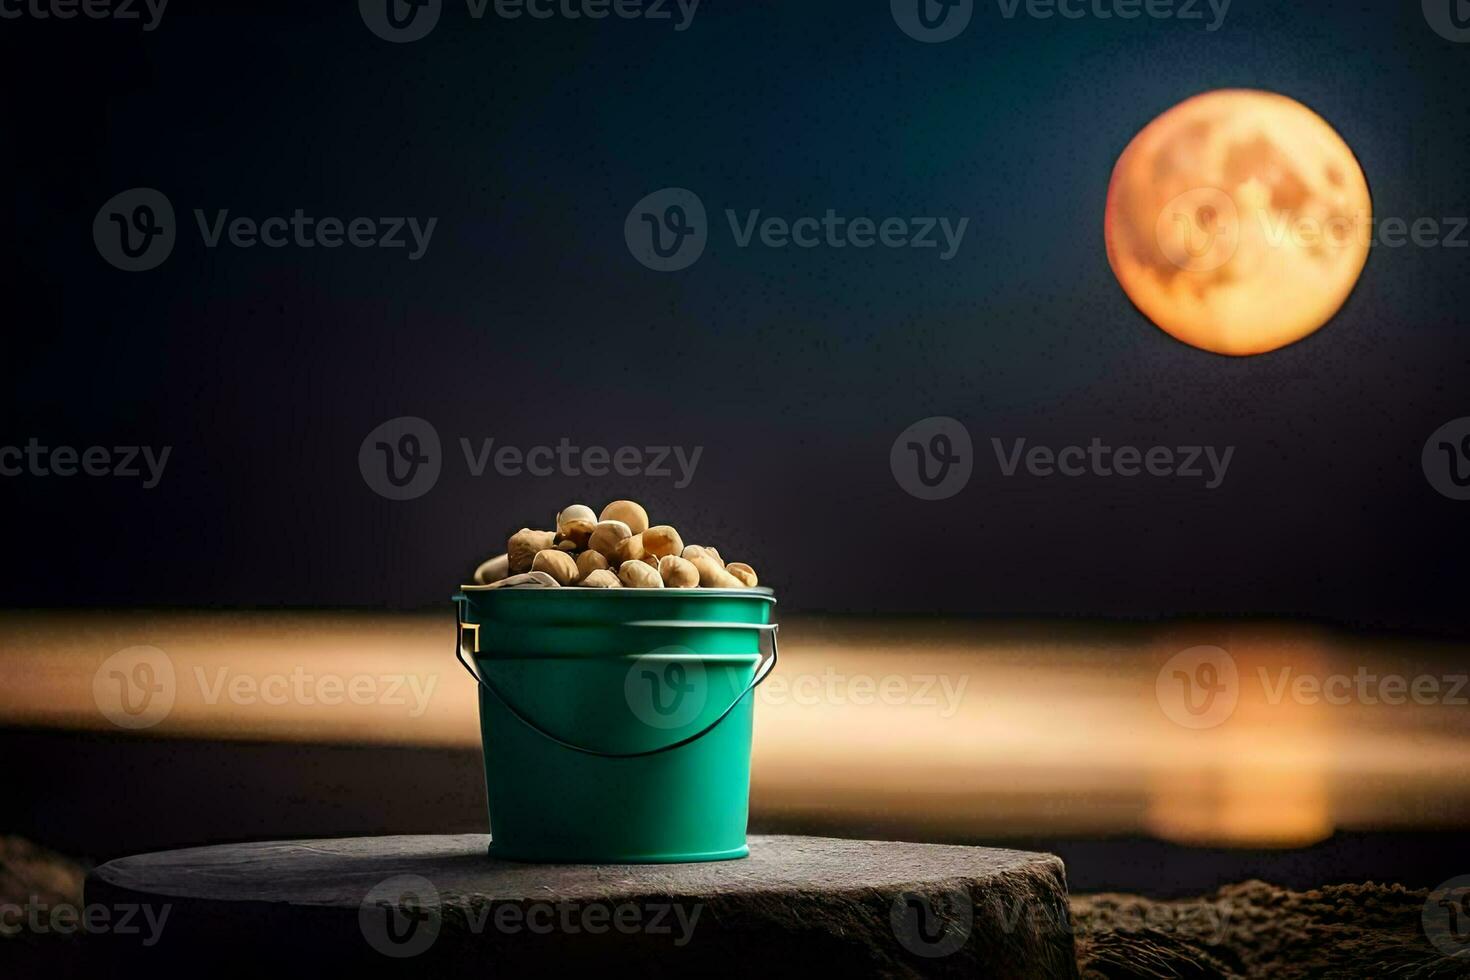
(630, 549)
(523, 545)
(558, 564)
(638, 575)
(600, 578)
(589, 562)
(630, 513)
(606, 536)
(662, 540)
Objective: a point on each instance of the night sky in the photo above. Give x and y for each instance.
(528, 320)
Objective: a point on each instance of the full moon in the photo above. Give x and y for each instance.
(1238, 221)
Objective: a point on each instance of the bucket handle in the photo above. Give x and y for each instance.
(762, 672)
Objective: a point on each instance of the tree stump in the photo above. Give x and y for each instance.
(438, 906)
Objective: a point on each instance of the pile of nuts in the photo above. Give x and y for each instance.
(611, 550)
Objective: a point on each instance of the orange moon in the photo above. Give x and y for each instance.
(1238, 221)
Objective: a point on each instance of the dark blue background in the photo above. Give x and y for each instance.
(528, 320)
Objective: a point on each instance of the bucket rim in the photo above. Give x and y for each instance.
(762, 592)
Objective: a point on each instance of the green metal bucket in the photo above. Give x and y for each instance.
(616, 723)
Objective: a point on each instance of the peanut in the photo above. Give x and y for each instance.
(638, 575)
(523, 545)
(678, 573)
(712, 574)
(600, 578)
(693, 551)
(558, 564)
(606, 536)
(744, 573)
(630, 513)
